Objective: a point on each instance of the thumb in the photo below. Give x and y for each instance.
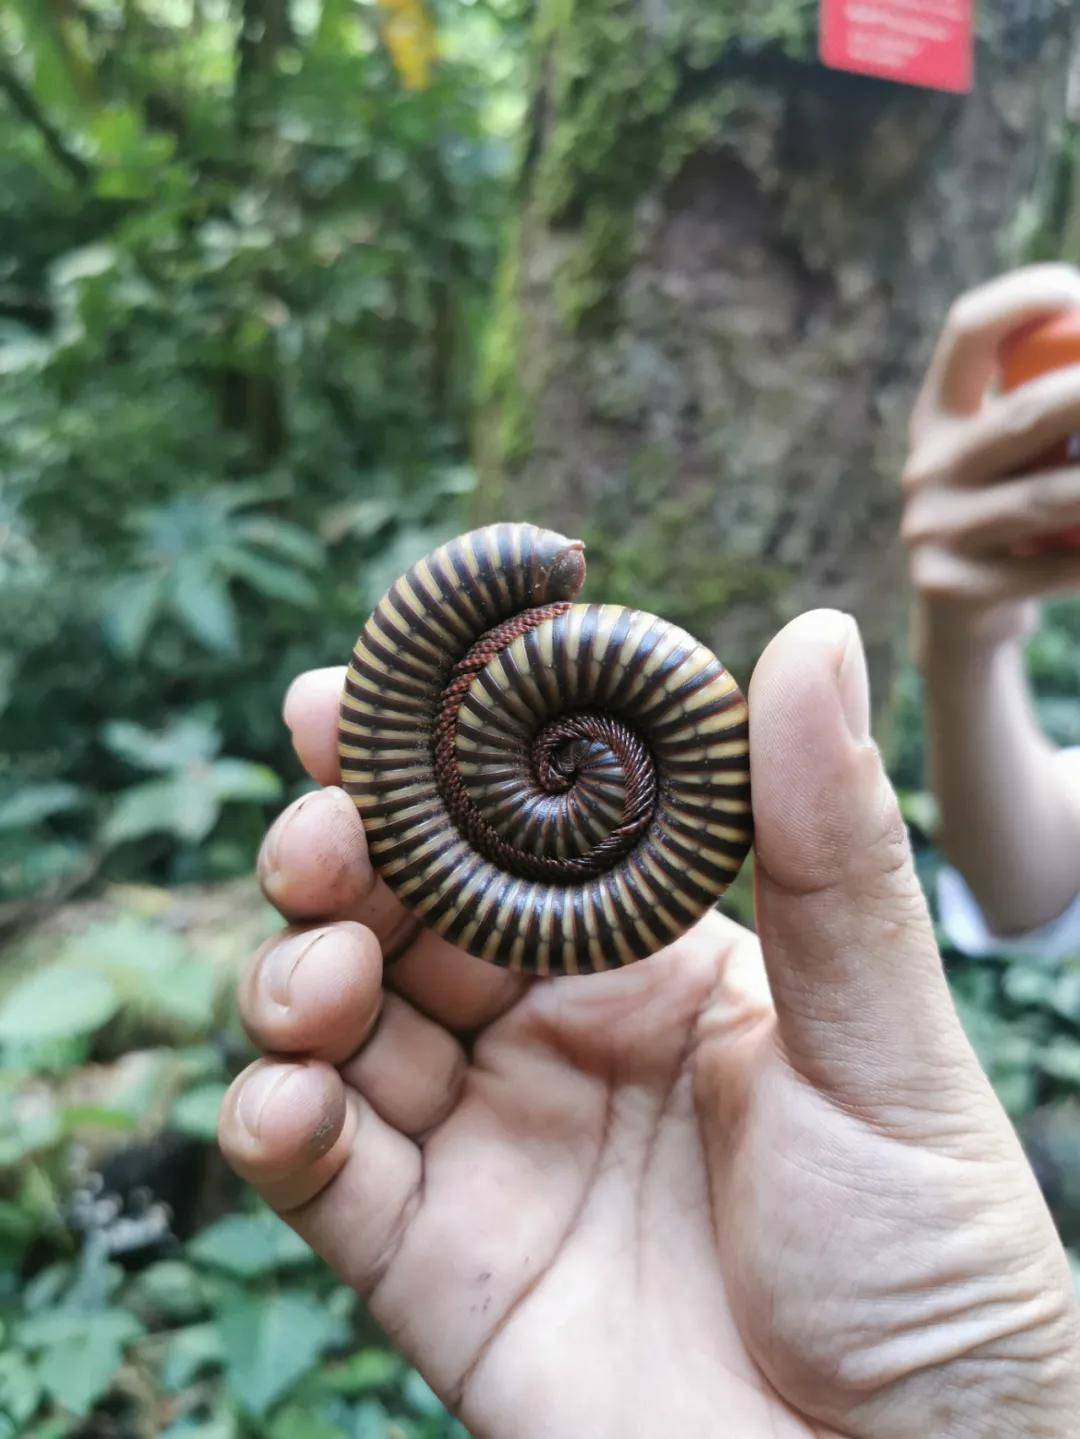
(863, 1008)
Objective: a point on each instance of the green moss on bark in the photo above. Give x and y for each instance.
(634, 534)
(584, 284)
(629, 101)
(620, 88)
(612, 86)
(505, 433)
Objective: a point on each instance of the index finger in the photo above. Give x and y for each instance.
(333, 878)
(310, 701)
(965, 360)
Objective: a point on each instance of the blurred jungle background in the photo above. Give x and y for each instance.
(291, 290)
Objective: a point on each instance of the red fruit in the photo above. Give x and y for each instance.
(1026, 355)
(1038, 348)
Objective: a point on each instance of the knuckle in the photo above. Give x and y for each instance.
(890, 847)
(1061, 493)
(889, 881)
(452, 1082)
(915, 525)
(910, 477)
(914, 532)
(934, 461)
(1047, 283)
(1051, 274)
(965, 312)
(245, 982)
(225, 1134)
(938, 516)
(919, 472)
(1022, 412)
(933, 577)
(1060, 488)
(1042, 510)
(923, 413)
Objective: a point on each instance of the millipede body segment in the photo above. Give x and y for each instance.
(555, 787)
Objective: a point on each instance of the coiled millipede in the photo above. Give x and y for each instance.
(555, 787)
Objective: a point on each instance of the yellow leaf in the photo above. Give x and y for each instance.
(409, 36)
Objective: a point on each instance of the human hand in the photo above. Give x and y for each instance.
(704, 1194)
(969, 505)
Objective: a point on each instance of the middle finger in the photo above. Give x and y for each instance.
(995, 516)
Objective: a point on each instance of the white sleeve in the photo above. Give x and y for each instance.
(966, 928)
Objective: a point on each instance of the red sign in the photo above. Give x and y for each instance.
(914, 42)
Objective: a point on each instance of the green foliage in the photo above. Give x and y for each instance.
(121, 1313)
(186, 554)
(1023, 1019)
(246, 1245)
(269, 1341)
(124, 968)
(196, 1112)
(280, 1353)
(76, 1353)
(197, 783)
(243, 275)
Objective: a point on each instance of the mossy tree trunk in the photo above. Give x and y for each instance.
(727, 271)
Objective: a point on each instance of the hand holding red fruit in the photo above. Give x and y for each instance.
(1036, 350)
(992, 488)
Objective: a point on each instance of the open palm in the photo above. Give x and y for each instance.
(682, 1198)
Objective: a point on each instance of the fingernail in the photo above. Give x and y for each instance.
(257, 1091)
(280, 964)
(840, 632)
(824, 627)
(268, 855)
(853, 684)
(341, 800)
(285, 706)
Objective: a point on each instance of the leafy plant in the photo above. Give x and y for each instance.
(122, 967)
(240, 297)
(288, 1354)
(189, 551)
(196, 781)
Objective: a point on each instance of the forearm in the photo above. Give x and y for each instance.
(1008, 821)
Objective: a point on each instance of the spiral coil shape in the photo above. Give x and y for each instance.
(555, 787)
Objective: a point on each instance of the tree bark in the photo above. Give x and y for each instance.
(727, 271)
(252, 394)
